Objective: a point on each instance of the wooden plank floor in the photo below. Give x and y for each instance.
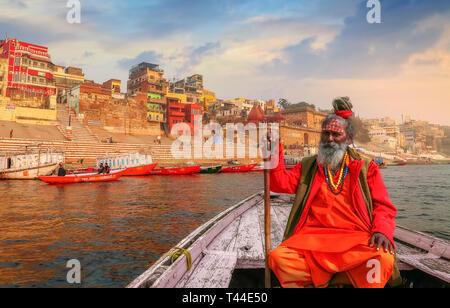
(241, 245)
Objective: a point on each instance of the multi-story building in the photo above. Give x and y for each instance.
(66, 78)
(30, 70)
(3, 77)
(148, 78)
(113, 84)
(304, 117)
(193, 88)
(207, 98)
(178, 112)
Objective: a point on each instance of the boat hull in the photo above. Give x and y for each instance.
(28, 173)
(85, 178)
(241, 168)
(176, 171)
(140, 170)
(210, 170)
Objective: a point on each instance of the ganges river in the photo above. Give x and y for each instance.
(117, 230)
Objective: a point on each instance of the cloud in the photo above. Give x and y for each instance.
(364, 50)
(146, 56)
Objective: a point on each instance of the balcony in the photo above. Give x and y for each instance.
(156, 100)
(176, 113)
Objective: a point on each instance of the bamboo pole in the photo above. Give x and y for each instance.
(267, 213)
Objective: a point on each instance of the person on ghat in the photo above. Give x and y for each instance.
(341, 226)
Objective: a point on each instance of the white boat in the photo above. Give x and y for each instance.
(29, 165)
(228, 252)
(125, 160)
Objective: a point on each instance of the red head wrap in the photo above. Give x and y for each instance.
(344, 113)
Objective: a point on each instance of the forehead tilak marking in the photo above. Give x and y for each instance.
(334, 126)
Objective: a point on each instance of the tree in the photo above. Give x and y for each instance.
(361, 131)
(284, 103)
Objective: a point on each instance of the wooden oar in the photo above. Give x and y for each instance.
(267, 211)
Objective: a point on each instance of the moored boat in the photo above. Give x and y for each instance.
(210, 170)
(176, 170)
(136, 164)
(240, 168)
(139, 170)
(29, 165)
(80, 171)
(83, 178)
(228, 252)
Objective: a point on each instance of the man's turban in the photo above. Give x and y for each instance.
(343, 107)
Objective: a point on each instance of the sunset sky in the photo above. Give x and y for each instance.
(300, 50)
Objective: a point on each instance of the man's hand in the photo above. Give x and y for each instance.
(381, 240)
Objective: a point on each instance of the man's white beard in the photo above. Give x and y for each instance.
(331, 154)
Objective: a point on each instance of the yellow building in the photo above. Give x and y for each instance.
(113, 84)
(181, 96)
(3, 79)
(207, 98)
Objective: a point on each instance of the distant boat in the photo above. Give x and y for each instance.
(140, 170)
(176, 170)
(83, 178)
(210, 170)
(80, 171)
(135, 164)
(259, 167)
(29, 166)
(241, 168)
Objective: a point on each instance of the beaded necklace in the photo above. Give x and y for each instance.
(343, 174)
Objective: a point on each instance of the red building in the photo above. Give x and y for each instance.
(29, 69)
(181, 113)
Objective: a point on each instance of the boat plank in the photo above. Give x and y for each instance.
(424, 241)
(432, 265)
(226, 241)
(281, 213)
(188, 274)
(214, 271)
(249, 242)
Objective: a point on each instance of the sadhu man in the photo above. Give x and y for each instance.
(340, 229)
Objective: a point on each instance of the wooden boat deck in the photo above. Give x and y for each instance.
(234, 240)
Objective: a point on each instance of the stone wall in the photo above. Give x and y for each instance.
(118, 115)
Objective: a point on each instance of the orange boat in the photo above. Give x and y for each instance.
(83, 178)
(176, 171)
(241, 168)
(140, 170)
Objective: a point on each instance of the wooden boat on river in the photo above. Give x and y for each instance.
(210, 170)
(228, 251)
(136, 164)
(240, 168)
(139, 170)
(29, 165)
(83, 178)
(176, 170)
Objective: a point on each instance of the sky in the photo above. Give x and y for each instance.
(299, 50)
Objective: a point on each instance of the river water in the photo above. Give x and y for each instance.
(117, 230)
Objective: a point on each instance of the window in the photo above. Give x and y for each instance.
(35, 63)
(17, 61)
(16, 77)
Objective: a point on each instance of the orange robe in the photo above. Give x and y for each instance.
(333, 240)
